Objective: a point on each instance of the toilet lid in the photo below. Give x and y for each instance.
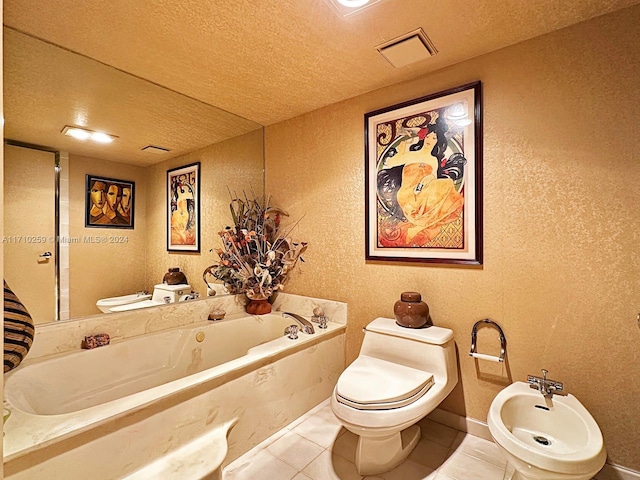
(373, 384)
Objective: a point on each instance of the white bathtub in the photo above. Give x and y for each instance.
(126, 405)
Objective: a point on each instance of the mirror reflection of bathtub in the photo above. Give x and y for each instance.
(166, 389)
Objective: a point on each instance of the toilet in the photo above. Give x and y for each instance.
(164, 293)
(400, 376)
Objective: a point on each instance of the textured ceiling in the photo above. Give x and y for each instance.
(270, 60)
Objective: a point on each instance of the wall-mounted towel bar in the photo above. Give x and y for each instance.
(474, 337)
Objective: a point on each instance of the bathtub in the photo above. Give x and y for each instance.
(127, 406)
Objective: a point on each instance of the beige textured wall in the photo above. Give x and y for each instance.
(107, 267)
(235, 165)
(561, 255)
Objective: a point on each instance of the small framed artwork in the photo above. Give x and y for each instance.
(183, 208)
(109, 202)
(423, 181)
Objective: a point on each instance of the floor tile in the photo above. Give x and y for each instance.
(480, 449)
(460, 466)
(410, 470)
(310, 413)
(438, 433)
(261, 465)
(295, 450)
(442, 476)
(345, 445)
(429, 453)
(317, 447)
(327, 415)
(302, 476)
(319, 430)
(328, 466)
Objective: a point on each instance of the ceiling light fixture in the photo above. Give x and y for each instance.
(346, 8)
(86, 134)
(353, 3)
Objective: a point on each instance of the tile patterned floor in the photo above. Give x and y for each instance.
(317, 447)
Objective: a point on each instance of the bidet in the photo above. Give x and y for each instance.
(545, 437)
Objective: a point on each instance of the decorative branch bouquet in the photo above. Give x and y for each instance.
(257, 253)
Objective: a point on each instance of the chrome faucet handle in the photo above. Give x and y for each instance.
(292, 331)
(534, 382)
(305, 324)
(544, 374)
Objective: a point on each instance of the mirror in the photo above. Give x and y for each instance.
(47, 87)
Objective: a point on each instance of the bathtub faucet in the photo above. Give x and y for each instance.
(305, 324)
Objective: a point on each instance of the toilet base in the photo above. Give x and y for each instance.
(380, 454)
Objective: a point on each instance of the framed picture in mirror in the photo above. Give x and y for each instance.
(109, 202)
(423, 177)
(183, 208)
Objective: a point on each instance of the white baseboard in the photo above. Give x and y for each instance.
(481, 429)
(616, 472)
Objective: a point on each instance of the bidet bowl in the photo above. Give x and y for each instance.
(557, 435)
(106, 304)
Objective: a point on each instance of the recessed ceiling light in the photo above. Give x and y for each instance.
(353, 3)
(346, 8)
(86, 134)
(101, 137)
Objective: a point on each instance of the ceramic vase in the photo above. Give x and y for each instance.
(174, 277)
(258, 306)
(410, 311)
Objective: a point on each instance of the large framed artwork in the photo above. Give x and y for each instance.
(424, 179)
(109, 203)
(183, 208)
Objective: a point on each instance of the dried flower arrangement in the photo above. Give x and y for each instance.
(257, 253)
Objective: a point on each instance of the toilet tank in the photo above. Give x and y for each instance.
(431, 349)
(173, 292)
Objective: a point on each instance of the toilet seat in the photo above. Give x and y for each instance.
(370, 383)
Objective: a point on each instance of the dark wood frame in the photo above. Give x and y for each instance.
(382, 134)
(90, 179)
(191, 174)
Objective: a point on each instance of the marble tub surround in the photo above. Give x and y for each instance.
(199, 459)
(39, 443)
(59, 337)
(334, 311)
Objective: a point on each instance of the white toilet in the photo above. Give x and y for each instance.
(400, 376)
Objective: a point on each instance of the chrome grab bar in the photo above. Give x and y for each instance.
(474, 336)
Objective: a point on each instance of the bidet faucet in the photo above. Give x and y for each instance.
(305, 325)
(546, 387)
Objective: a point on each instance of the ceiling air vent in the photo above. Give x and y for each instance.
(410, 48)
(154, 149)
